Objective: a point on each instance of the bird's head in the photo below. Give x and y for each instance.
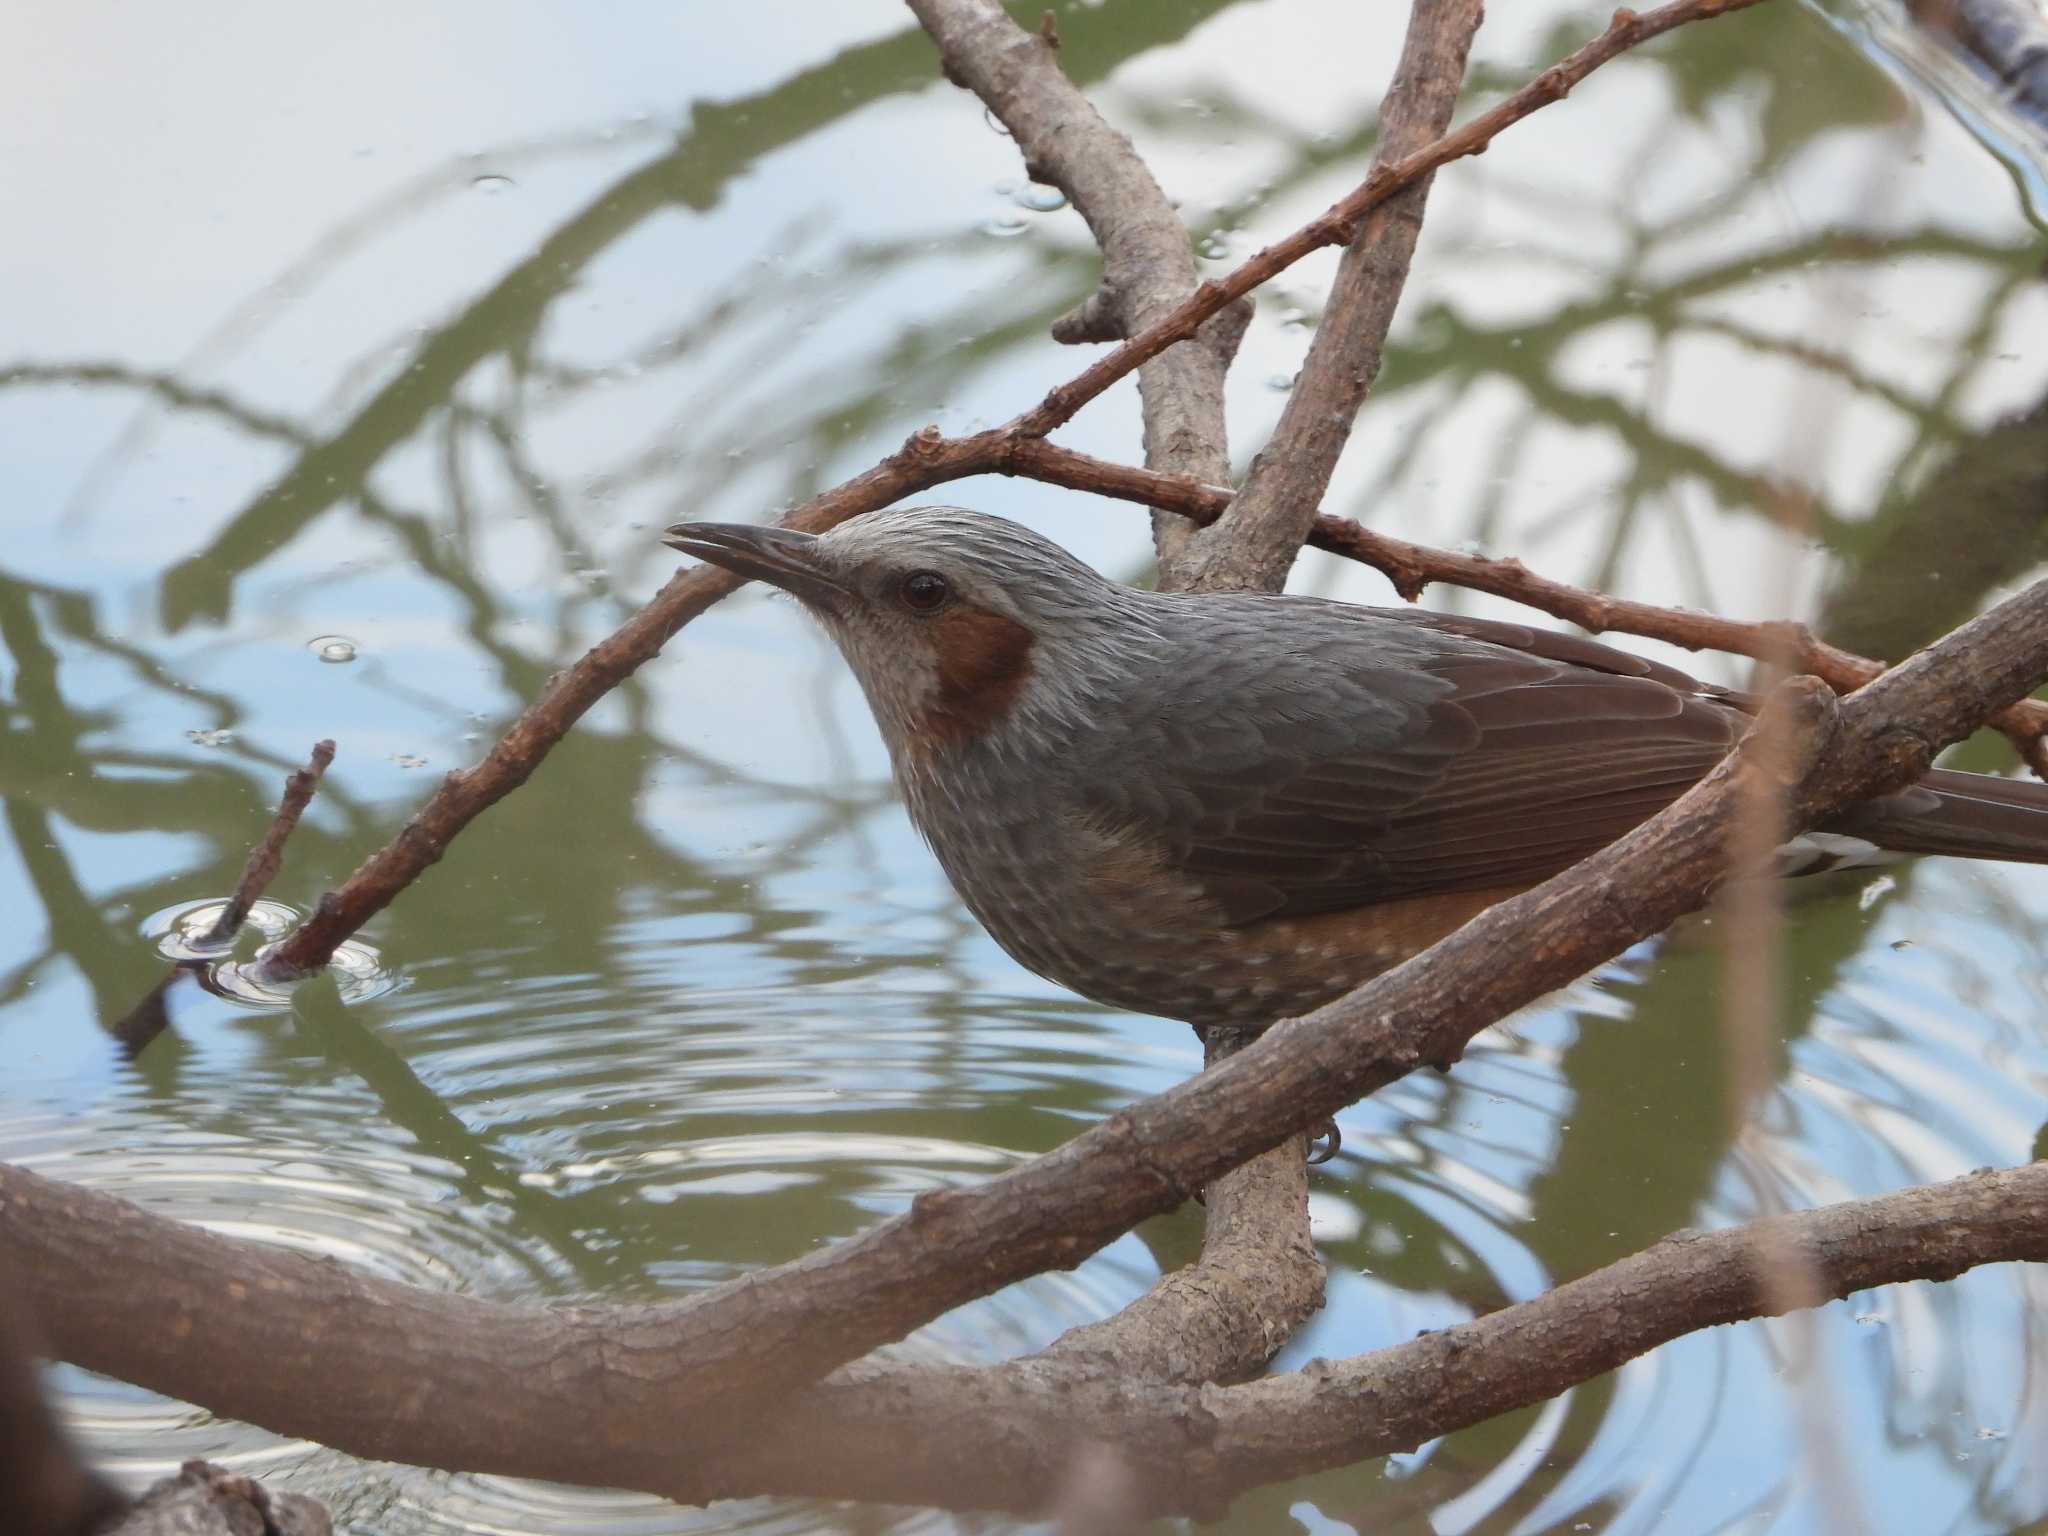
(956, 623)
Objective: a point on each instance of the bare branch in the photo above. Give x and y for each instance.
(715, 1359)
(890, 1433)
(267, 857)
(1253, 545)
(1340, 221)
(1005, 1436)
(1412, 567)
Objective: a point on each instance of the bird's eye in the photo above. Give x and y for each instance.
(924, 591)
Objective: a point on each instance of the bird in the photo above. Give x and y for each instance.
(1232, 808)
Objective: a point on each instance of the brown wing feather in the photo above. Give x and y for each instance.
(1543, 748)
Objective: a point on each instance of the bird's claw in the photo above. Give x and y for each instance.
(1325, 1143)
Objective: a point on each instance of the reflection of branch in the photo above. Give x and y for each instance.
(723, 138)
(167, 387)
(1821, 360)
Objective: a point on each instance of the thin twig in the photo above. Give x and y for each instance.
(1339, 223)
(267, 857)
(1413, 567)
(151, 1016)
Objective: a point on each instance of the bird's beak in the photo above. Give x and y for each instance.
(780, 556)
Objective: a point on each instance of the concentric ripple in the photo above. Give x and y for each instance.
(183, 933)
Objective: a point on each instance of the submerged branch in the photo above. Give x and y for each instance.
(267, 857)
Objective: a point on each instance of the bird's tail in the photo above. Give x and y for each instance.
(1967, 815)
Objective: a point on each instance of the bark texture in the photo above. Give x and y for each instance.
(1253, 545)
(1008, 1436)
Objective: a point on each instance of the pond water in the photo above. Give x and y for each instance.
(351, 365)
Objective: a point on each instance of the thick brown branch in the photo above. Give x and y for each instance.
(1006, 1436)
(890, 1433)
(1253, 545)
(707, 1364)
(1225, 1316)
(267, 857)
(1148, 264)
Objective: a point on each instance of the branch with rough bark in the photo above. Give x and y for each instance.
(1254, 543)
(1003, 1436)
(401, 1373)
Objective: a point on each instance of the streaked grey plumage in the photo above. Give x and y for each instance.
(1231, 808)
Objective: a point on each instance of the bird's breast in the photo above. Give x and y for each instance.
(1104, 911)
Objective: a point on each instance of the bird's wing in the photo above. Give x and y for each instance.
(1386, 755)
